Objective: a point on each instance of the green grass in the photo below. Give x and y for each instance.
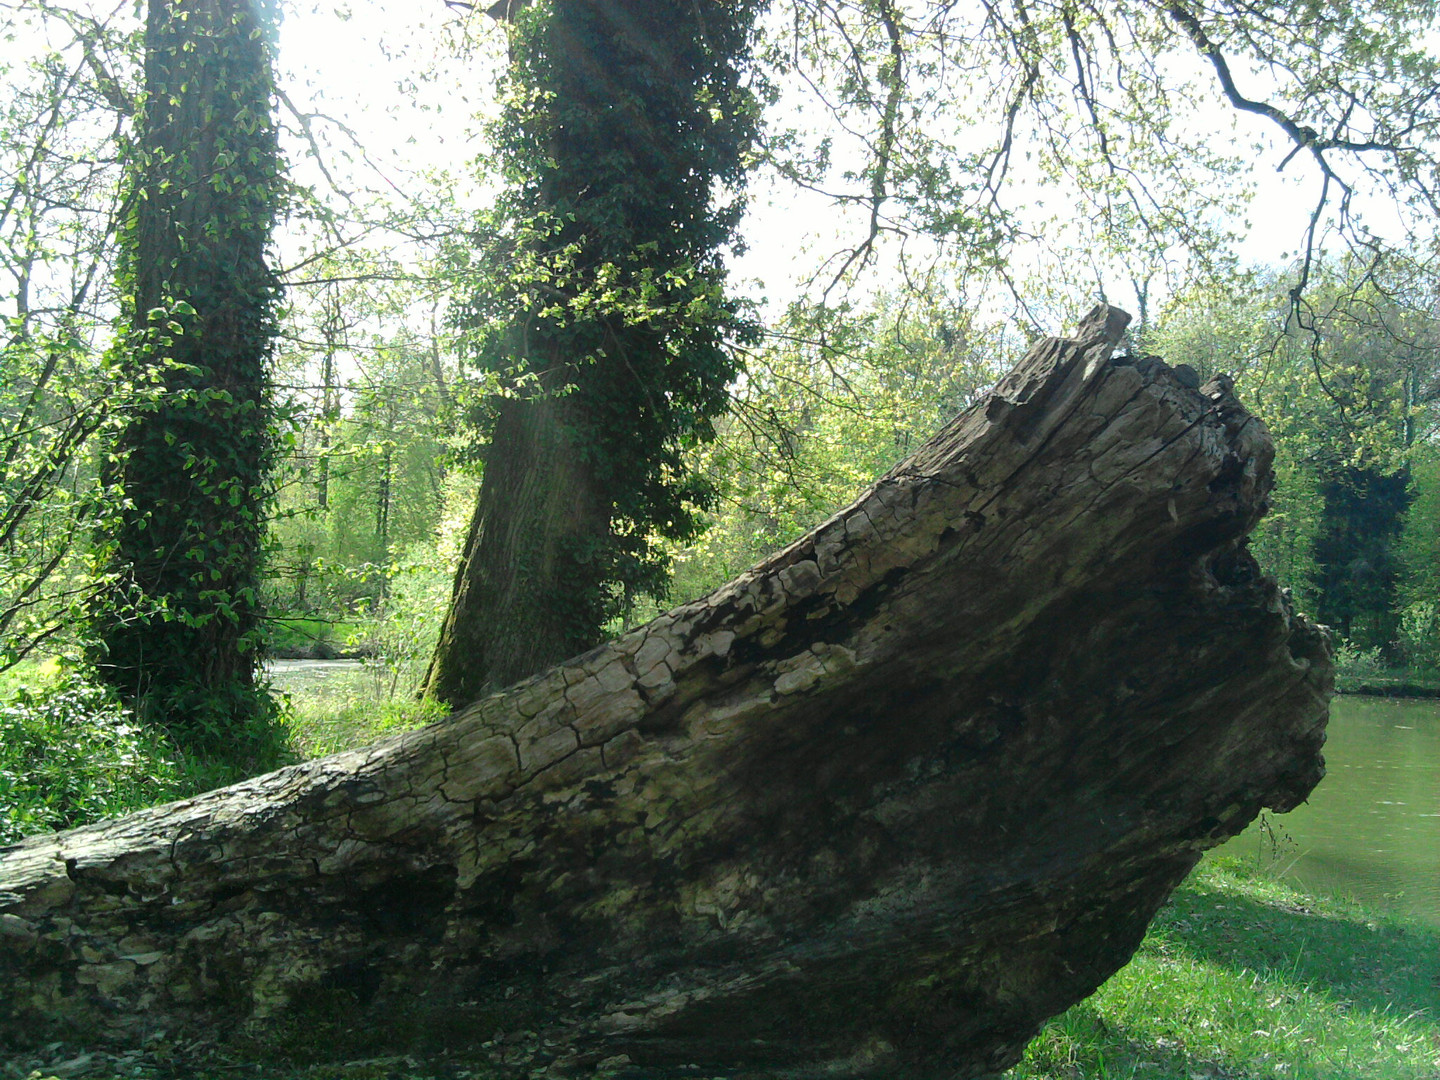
(348, 709)
(1241, 978)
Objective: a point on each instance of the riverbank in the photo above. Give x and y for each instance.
(1242, 978)
(1239, 978)
(1397, 688)
(1367, 678)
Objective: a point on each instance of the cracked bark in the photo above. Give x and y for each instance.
(877, 807)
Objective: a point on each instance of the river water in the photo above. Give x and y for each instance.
(1371, 830)
(296, 676)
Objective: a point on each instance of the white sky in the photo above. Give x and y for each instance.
(391, 72)
(396, 75)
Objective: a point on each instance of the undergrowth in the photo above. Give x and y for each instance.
(71, 754)
(348, 708)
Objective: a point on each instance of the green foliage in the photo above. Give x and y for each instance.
(397, 640)
(1420, 551)
(1419, 635)
(71, 753)
(834, 400)
(1357, 667)
(60, 99)
(298, 637)
(367, 469)
(57, 401)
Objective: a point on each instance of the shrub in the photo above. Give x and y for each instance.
(1355, 667)
(1420, 634)
(70, 754)
(398, 638)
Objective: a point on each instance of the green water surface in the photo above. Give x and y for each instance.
(1371, 830)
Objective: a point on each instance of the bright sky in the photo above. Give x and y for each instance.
(390, 71)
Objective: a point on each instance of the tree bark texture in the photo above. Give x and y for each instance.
(878, 807)
(537, 514)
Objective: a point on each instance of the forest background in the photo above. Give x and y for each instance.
(916, 219)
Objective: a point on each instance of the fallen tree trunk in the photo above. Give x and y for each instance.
(879, 806)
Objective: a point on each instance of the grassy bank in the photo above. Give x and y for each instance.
(1242, 978)
(346, 707)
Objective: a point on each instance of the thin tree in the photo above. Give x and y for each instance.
(59, 189)
(179, 634)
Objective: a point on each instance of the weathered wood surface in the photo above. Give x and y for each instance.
(877, 807)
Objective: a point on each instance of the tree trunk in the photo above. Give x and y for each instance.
(624, 139)
(180, 631)
(877, 807)
(523, 574)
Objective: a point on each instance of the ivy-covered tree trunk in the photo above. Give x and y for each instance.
(537, 514)
(598, 302)
(178, 634)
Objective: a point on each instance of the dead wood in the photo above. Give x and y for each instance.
(877, 807)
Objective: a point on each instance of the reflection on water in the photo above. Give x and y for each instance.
(298, 676)
(1371, 830)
